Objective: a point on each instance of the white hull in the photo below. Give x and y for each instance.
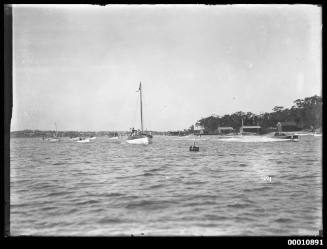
(53, 140)
(143, 140)
(317, 135)
(75, 138)
(93, 138)
(83, 141)
(113, 138)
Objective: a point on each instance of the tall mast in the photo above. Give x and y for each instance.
(140, 89)
(56, 129)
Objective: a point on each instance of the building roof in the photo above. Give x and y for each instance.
(251, 127)
(288, 123)
(225, 128)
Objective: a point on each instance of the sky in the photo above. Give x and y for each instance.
(80, 66)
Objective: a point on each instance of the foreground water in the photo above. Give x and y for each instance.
(240, 186)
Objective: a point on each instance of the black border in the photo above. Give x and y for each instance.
(7, 29)
(5, 187)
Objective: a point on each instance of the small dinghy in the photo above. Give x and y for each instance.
(194, 148)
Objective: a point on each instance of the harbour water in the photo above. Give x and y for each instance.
(241, 186)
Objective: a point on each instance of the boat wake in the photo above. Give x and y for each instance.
(253, 139)
(190, 139)
(303, 134)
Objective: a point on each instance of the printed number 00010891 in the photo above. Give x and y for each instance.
(307, 242)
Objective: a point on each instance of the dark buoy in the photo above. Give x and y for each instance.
(194, 148)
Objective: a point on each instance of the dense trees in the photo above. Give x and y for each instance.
(305, 113)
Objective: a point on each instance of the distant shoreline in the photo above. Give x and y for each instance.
(304, 116)
(71, 134)
(51, 133)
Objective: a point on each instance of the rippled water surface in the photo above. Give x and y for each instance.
(239, 186)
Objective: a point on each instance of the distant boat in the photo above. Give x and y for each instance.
(139, 137)
(281, 135)
(75, 138)
(115, 137)
(83, 140)
(93, 138)
(55, 138)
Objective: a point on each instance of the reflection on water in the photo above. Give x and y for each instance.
(252, 186)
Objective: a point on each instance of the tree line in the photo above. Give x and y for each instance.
(305, 114)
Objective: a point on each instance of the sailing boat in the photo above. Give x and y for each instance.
(281, 135)
(241, 129)
(139, 137)
(114, 137)
(55, 138)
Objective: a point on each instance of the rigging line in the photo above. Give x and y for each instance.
(146, 111)
(146, 122)
(135, 113)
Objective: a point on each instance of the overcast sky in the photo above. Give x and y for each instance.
(80, 66)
